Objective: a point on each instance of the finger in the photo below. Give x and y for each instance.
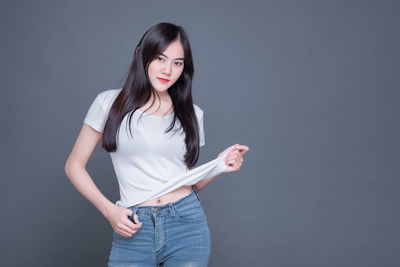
(129, 214)
(237, 167)
(130, 235)
(130, 226)
(228, 150)
(233, 168)
(126, 229)
(128, 223)
(233, 165)
(124, 233)
(138, 223)
(235, 153)
(136, 218)
(243, 148)
(133, 226)
(232, 148)
(230, 162)
(231, 157)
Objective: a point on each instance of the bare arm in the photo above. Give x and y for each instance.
(75, 168)
(202, 183)
(234, 160)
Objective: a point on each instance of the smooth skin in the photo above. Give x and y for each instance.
(166, 66)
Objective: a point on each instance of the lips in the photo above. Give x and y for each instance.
(162, 80)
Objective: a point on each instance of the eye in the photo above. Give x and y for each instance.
(160, 59)
(179, 63)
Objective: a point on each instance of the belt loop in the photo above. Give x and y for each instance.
(197, 194)
(171, 208)
(134, 210)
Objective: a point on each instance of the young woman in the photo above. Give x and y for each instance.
(153, 131)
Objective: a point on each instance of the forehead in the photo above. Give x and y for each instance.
(174, 50)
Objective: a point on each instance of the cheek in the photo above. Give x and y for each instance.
(151, 69)
(178, 74)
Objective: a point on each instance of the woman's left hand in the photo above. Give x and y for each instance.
(234, 159)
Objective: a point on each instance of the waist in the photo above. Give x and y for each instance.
(165, 208)
(170, 197)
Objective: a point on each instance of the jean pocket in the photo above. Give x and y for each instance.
(191, 213)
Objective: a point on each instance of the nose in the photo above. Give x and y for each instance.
(167, 69)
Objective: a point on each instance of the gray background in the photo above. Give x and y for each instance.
(312, 87)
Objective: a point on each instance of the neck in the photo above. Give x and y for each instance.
(164, 98)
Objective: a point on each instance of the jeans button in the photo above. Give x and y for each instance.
(155, 209)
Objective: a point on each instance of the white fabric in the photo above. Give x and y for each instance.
(151, 163)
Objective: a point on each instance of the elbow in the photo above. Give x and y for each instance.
(67, 168)
(70, 167)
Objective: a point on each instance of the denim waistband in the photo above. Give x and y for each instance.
(165, 208)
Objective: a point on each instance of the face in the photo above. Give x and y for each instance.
(166, 69)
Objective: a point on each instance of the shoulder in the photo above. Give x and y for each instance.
(107, 97)
(198, 110)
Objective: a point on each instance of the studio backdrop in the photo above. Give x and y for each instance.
(312, 87)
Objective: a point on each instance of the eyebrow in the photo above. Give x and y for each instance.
(175, 58)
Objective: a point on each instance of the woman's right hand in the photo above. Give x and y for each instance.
(118, 218)
(234, 157)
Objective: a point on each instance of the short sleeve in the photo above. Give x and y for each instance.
(200, 120)
(96, 115)
(201, 131)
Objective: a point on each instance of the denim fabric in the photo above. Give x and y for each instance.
(174, 234)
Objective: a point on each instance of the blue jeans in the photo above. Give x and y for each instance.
(174, 234)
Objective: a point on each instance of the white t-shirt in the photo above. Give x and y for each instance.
(150, 163)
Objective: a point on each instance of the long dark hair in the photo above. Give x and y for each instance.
(137, 90)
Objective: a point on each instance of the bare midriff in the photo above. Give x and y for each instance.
(172, 196)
